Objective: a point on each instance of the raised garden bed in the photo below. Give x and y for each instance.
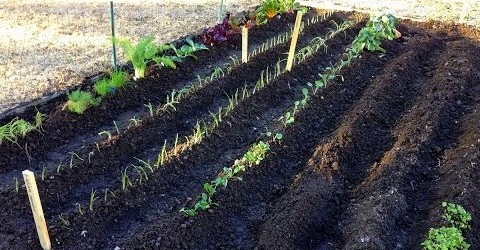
(365, 164)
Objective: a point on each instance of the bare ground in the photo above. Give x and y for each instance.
(52, 45)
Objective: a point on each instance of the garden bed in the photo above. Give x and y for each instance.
(366, 164)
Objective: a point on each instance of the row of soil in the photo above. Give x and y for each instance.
(369, 180)
(64, 188)
(50, 159)
(179, 179)
(242, 205)
(61, 126)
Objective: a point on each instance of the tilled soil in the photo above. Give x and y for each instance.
(366, 164)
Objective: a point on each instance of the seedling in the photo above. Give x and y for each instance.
(252, 157)
(42, 175)
(64, 221)
(79, 208)
(150, 108)
(449, 237)
(79, 101)
(17, 185)
(20, 128)
(126, 182)
(93, 198)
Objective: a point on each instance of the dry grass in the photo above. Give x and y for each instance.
(49, 45)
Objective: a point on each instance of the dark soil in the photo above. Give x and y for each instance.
(366, 164)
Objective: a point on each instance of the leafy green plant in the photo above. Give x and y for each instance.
(449, 237)
(252, 157)
(189, 49)
(376, 30)
(139, 54)
(79, 101)
(271, 8)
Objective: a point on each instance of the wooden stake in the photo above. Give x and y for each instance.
(244, 44)
(293, 45)
(37, 210)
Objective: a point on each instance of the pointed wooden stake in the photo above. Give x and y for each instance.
(244, 44)
(293, 44)
(37, 210)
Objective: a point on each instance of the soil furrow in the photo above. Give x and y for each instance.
(306, 216)
(456, 182)
(238, 136)
(242, 206)
(392, 197)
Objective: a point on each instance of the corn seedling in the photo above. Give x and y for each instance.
(163, 155)
(42, 175)
(126, 182)
(133, 122)
(116, 127)
(17, 185)
(105, 194)
(79, 101)
(142, 174)
(175, 146)
(90, 154)
(107, 134)
(59, 166)
(93, 198)
(150, 108)
(79, 208)
(64, 221)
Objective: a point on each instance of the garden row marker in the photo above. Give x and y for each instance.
(244, 44)
(114, 51)
(37, 210)
(296, 30)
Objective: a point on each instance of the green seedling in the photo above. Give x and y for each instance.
(79, 101)
(17, 185)
(93, 198)
(252, 157)
(449, 237)
(79, 208)
(64, 221)
(42, 175)
(150, 108)
(376, 30)
(126, 182)
(20, 128)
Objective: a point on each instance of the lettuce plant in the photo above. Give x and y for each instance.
(79, 101)
(219, 33)
(189, 48)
